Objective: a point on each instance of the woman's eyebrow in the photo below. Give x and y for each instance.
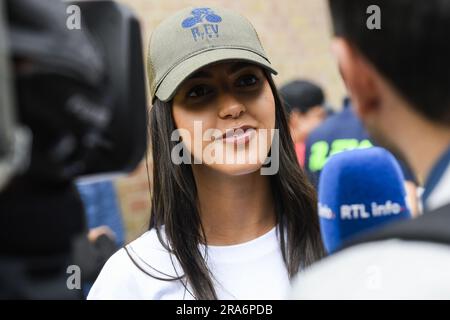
(200, 74)
(235, 67)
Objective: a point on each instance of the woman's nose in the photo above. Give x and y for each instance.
(231, 108)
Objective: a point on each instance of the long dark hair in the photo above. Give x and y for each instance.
(175, 206)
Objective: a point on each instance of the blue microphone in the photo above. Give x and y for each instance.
(359, 191)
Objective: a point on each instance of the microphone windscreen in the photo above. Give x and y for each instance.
(359, 190)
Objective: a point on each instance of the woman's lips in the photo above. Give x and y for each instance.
(240, 135)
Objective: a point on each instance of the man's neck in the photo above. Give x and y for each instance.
(424, 144)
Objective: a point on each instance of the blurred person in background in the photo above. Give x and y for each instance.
(305, 104)
(398, 77)
(102, 207)
(103, 215)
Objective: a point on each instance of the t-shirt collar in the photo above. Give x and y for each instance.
(436, 174)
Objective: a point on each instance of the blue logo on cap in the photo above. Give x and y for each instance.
(198, 15)
(209, 30)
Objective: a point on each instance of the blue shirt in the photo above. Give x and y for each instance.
(102, 207)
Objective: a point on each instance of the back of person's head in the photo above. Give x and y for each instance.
(409, 47)
(301, 95)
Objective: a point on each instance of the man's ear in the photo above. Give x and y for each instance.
(360, 77)
(294, 118)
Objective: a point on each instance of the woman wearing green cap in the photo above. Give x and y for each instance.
(220, 228)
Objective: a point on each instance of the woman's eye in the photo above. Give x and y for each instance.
(199, 91)
(247, 81)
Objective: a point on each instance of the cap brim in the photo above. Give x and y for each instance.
(169, 85)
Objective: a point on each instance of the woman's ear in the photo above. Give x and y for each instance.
(359, 76)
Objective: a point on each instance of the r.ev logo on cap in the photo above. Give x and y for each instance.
(205, 30)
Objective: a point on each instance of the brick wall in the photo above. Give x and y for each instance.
(296, 36)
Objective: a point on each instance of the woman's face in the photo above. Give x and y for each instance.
(226, 116)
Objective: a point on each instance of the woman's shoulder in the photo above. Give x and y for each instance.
(139, 270)
(149, 242)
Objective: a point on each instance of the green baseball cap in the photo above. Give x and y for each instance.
(196, 37)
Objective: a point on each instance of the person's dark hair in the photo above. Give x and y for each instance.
(174, 205)
(301, 95)
(411, 49)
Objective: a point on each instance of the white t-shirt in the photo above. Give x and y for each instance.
(251, 270)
